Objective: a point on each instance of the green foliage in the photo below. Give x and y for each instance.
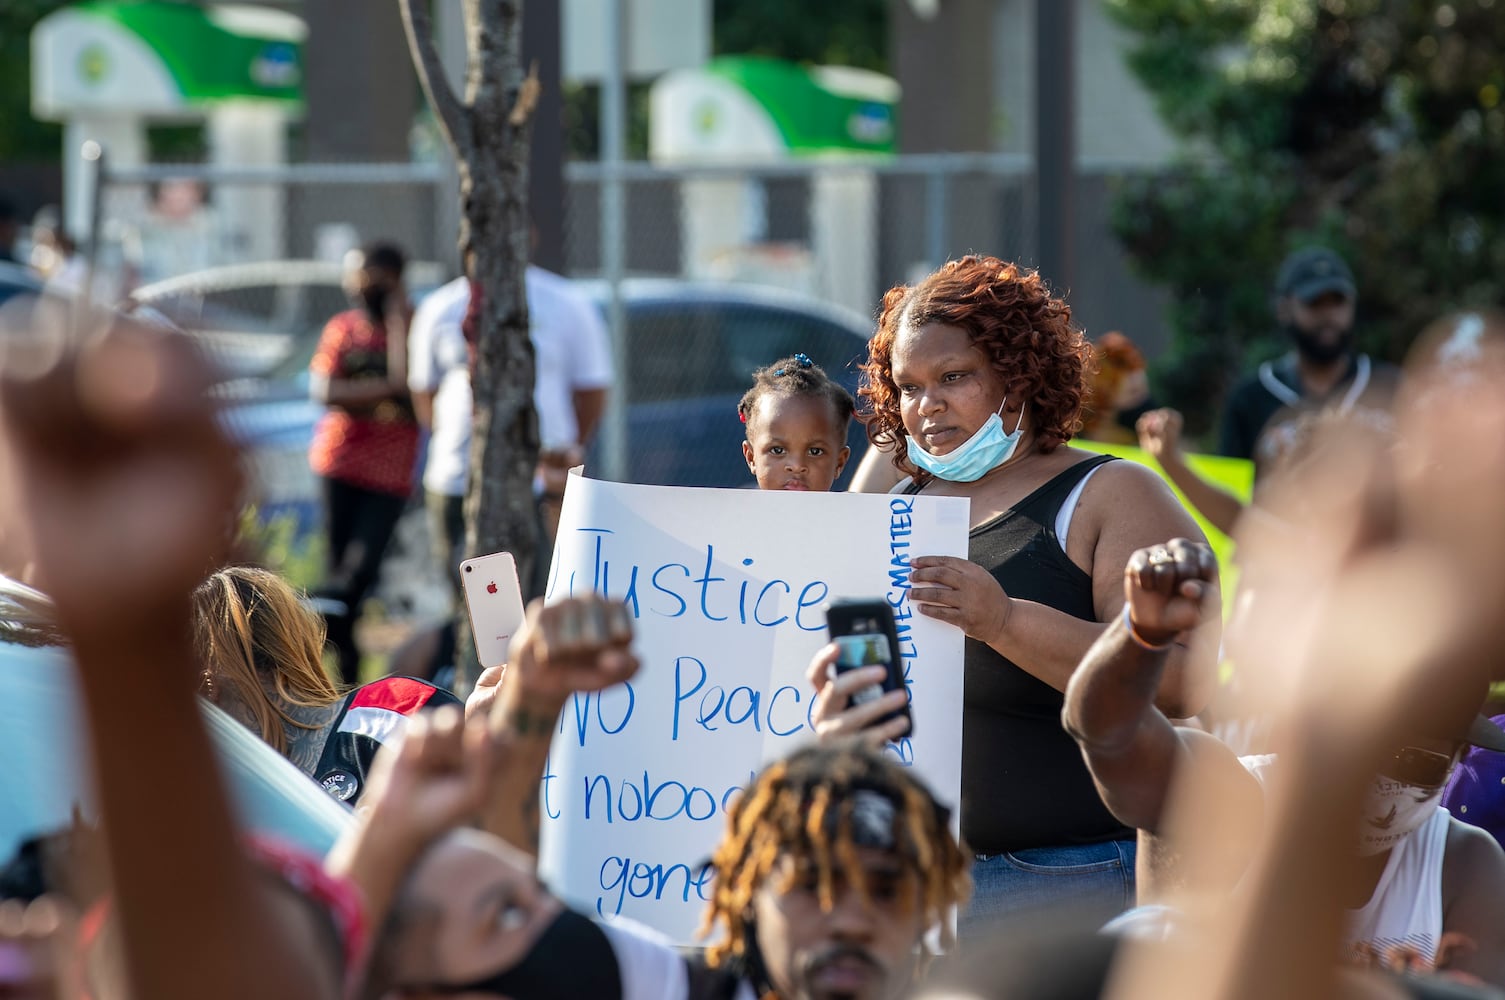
(839, 33)
(582, 121)
(277, 545)
(1373, 126)
(177, 143)
(22, 137)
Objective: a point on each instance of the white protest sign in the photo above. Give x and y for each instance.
(727, 590)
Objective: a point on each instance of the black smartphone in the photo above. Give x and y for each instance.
(864, 632)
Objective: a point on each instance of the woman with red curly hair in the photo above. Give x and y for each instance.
(977, 376)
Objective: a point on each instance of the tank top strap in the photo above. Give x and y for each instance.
(1057, 489)
(1043, 504)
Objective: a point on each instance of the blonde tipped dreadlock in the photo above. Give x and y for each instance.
(802, 806)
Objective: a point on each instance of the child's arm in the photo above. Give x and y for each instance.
(876, 472)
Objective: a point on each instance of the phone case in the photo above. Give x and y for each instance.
(864, 632)
(494, 600)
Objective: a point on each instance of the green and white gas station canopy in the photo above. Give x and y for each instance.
(163, 59)
(740, 106)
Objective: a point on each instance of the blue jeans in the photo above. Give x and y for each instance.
(1083, 883)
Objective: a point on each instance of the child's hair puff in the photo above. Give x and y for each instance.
(797, 375)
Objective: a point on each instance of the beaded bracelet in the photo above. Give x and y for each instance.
(1139, 640)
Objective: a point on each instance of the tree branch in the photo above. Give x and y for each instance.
(441, 96)
(527, 98)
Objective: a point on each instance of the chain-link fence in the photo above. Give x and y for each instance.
(839, 231)
(726, 269)
(167, 220)
(822, 238)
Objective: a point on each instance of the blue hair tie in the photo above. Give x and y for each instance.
(803, 360)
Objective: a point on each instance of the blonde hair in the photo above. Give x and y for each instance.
(256, 638)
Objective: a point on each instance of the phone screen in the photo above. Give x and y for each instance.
(864, 650)
(864, 633)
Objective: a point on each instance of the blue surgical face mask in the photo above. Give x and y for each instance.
(987, 449)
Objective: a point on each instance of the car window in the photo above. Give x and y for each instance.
(685, 350)
(256, 329)
(759, 335)
(676, 351)
(43, 778)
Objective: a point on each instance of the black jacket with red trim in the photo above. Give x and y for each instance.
(372, 714)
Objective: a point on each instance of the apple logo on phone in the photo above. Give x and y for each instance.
(491, 587)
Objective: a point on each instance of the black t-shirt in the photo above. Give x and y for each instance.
(1264, 407)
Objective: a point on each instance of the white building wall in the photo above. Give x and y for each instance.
(1116, 120)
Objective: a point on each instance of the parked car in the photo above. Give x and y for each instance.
(45, 777)
(260, 323)
(691, 351)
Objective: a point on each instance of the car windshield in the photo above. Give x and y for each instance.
(44, 777)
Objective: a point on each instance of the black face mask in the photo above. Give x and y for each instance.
(571, 959)
(1315, 348)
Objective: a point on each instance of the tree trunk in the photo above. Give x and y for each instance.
(489, 133)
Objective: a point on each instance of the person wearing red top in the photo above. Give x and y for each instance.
(365, 447)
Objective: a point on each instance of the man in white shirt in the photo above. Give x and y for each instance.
(572, 353)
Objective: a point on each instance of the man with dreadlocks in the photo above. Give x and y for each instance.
(835, 865)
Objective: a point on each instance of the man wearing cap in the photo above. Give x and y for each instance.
(1315, 304)
(1427, 890)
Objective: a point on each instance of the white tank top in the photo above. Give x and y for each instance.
(1405, 910)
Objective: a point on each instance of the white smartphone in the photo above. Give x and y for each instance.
(494, 600)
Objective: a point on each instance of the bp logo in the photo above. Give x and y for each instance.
(871, 123)
(275, 66)
(706, 117)
(93, 63)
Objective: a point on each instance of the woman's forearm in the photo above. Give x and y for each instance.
(1043, 642)
(1050, 645)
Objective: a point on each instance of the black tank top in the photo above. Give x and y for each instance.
(1024, 783)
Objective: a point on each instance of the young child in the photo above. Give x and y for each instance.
(797, 420)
